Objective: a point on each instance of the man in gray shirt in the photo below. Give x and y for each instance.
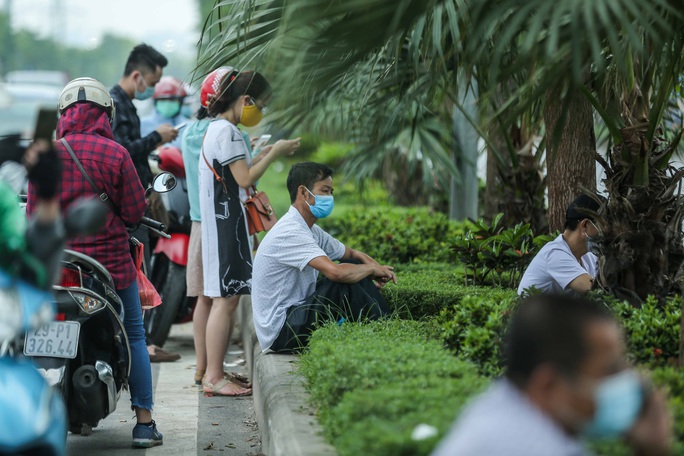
(566, 378)
(287, 301)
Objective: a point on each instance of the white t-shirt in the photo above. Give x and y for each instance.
(282, 277)
(555, 267)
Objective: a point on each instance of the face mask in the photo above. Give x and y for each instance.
(167, 108)
(592, 244)
(251, 116)
(146, 93)
(618, 401)
(323, 205)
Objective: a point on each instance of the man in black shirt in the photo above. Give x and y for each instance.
(143, 71)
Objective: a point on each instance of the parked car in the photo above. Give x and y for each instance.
(18, 114)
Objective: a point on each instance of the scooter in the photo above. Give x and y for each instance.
(170, 256)
(84, 353)
(33, 418)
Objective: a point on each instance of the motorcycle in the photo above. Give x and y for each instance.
(84, 353)
(170, 256)
(32, 414)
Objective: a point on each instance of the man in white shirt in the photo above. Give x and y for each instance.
(567, 262)
(567, 378)
(287, 301)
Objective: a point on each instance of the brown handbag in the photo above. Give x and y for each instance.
(260, 215)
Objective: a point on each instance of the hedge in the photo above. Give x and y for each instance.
(396, 235)
(374, 383)
(423, 292)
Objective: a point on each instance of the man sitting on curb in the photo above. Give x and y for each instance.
(566, 378)
(567, 263)
(286, 300)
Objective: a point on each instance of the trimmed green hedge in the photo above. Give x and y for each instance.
(423, 292)
(396, 235)
(374, 383)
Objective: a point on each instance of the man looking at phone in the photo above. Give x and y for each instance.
(142, 72)
(287, 301)
(566, 378)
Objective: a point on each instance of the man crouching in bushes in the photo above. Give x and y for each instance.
(566, 378)
(287, 300)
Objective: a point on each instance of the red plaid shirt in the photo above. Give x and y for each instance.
(86, 127)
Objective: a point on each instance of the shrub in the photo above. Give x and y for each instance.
(498, 253)
(652, 330)
(331, 154)
(474, 328)
(423, 292)
(396, 235)
(374, 383)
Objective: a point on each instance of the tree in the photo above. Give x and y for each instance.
(622, 56)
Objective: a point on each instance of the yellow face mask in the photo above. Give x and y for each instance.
(251, 115)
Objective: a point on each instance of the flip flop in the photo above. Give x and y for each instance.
(215, 389)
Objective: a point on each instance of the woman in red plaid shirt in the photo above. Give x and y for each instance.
(86, 111)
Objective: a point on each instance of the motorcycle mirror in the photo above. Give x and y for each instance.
(85, 217)
(164, 182)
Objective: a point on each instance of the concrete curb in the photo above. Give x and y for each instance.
(286, 419)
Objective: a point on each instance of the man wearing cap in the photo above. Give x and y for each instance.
(567, 263)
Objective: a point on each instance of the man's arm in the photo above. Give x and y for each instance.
(123, 134)
(350, 273)
(582, 283)
(366, 259)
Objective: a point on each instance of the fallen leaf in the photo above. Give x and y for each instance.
(123, 421)
(210, 446)
(214, 424)
(230, 445)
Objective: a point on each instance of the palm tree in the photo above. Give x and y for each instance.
(399, 59)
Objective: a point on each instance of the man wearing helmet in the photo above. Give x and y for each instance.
(169, 94)
(86, 112)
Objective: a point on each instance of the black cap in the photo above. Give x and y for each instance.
(577, 210)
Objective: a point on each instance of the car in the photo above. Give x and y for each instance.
(19, 112)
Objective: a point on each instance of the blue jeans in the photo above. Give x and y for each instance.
(140, 380)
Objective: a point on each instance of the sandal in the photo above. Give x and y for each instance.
(215, 389)
(239, 379)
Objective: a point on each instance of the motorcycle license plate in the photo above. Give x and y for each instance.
(57, 339)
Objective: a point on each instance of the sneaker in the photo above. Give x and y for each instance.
(147, 435)
(162, 356)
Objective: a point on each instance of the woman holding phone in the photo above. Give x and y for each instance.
(225, 172)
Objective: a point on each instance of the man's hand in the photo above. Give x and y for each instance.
(383, 275)
(167, 133)
(652, 432)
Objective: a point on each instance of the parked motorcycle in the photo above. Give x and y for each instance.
(33, 419)
(170, 256)
(84, 353)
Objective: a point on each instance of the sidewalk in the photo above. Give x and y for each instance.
(285, 416)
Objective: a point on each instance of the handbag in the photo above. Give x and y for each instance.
(149, 297)
(260, 215)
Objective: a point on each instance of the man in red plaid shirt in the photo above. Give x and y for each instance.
(86, 111)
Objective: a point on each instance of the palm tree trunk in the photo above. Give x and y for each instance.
(571, 145)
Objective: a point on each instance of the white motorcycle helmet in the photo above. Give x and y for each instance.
(87, 89)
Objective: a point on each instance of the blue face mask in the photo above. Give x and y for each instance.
(146, 93)
(618, 401)
(323, 205)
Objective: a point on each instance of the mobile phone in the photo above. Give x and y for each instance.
(46, 122)
(262, 141)
(180, 125)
